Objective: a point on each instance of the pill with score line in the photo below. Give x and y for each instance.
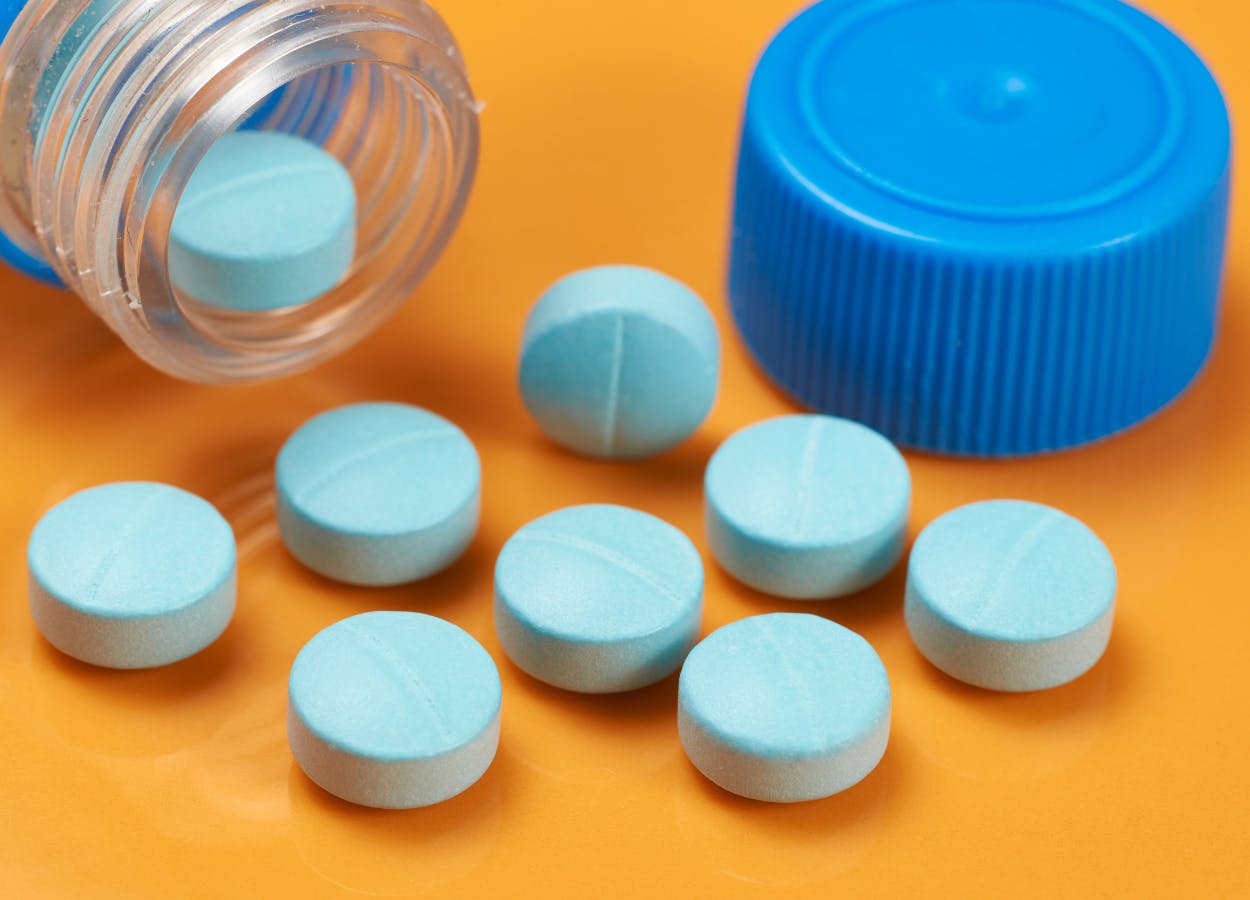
(266, 221)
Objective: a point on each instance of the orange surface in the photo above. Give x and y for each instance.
(609, 136)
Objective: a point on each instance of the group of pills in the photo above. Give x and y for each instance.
(401, 709)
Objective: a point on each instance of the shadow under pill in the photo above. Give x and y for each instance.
(1113, 669)
(589, 739)
(464, 581)
(783, 844)
(678, 469)
(446, 594)
(655, 701)
(398, 852)
(859, 612)
(1001, 736)
(131, 713)
(1033, 707)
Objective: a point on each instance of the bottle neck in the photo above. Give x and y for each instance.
(114, 102)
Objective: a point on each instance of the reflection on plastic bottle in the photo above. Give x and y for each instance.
(392, 853)
(781, 844)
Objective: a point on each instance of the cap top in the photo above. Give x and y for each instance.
(990, 119)
(990, 227)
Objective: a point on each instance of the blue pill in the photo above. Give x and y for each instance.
(378, 493)
(619, 362)
(807, 507)
(784, 707)
(132, 575)
(394, 710)
(598, 599)
(1010, 595)
(266, 221)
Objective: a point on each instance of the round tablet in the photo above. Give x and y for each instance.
(132, 575)
(619, 362)
(1010, 595)
(267, 220)
(378, 493)
(394, 710)
(807, 507)
(598, 599)
(784, 707)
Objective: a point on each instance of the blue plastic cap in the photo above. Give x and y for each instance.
(982, 227)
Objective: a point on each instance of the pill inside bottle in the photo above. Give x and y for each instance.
(239, 190)
(267, 221)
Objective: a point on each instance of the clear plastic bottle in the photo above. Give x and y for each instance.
(106, 107)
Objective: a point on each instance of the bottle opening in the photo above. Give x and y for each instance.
(137, 105)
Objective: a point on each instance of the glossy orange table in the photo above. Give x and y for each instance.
(609, 136)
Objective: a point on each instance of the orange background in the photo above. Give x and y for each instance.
(609, 136)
